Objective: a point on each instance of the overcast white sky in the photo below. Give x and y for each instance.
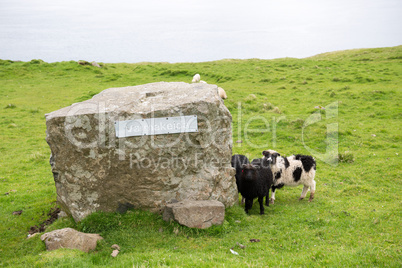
(178, 31)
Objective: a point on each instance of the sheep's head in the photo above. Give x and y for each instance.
(271, 156)
(249, 172)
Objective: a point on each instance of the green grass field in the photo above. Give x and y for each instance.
(355, 219)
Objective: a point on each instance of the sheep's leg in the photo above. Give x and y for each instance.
(261, 201)
(267, 199)
(312, 191)
(273, 195)
(304, 192)
(249, 205)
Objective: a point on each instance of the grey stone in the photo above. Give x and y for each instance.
(95, 64)
(195, 214)
(115, 246)
(62, 214)
(32, 235)
(70, 238)
(115, 253)
(94, 170)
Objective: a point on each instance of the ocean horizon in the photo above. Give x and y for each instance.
(192, 31)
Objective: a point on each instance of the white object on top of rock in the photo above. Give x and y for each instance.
(222, 93)
(196, 78)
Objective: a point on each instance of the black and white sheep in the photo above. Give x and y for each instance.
(292, 171)
(255, 182)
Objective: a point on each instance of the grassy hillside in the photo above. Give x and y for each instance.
(342, 107)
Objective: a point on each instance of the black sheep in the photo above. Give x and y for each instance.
(262, 162)
(238, 160)
(255, 182)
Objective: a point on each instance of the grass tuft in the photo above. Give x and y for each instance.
(346, 157)
(276, 110)
(10, 106)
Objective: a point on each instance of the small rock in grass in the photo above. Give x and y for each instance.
(70, 238)
(83, 62)
(114, 253)
(95, 64)
(195, 214)
(115, 246)
(19, 212)
(61, 214)
(319, 107)
(240, 245)
(32, 235)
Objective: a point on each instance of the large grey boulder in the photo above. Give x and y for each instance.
(95, 170)
(195, 214)
(70, 238)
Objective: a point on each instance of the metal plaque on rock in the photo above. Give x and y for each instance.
(156, 126)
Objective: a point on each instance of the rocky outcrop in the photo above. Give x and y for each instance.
(195, 214)
(99, 163)
(70, 238)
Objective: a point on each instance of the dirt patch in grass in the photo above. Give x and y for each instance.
(53, 215)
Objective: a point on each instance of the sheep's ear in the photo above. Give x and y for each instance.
(243, 166)
(277, 154)
(264, 152)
